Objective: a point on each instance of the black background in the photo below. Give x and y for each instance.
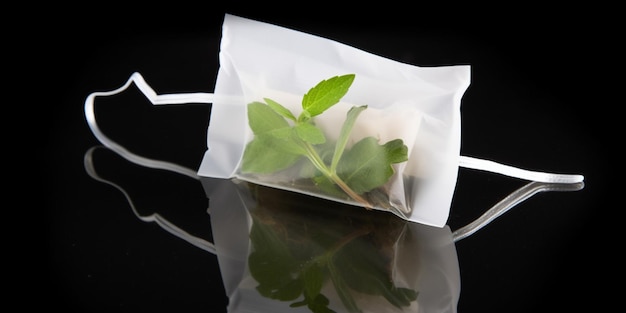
(543, 96)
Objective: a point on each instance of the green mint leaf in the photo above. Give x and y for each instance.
(344, 134)
(367, 164)
(326, 94)
(310, 133)
(283, 133)
(273, 148)
(262, 118)
(304, 117)
(266, 154)
(397, 151)
(280, 109)
(281, 140)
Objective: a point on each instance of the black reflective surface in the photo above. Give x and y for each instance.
(536, 101)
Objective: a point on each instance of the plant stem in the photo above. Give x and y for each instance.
(320, 165)
(337, 180)
(324, 258)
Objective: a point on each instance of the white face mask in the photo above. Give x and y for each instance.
(418, 105)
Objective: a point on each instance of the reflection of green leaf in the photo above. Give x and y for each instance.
(280, 275)
(313, 280)
(342, 289)
(370, 274)
(300, 244)
(272, 264)
(319, 304)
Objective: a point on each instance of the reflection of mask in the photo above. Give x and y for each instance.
(420, 105)
(300, 245)
(259, 232)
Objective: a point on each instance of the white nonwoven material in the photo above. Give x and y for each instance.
(420, 105)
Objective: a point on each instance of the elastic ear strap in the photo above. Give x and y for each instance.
(490, 166)
(155, 99)
(176, 98)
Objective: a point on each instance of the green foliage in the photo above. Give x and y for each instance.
(301, 244)
(281, 139)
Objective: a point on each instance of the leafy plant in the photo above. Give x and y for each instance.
(282, 138)
(302, 243)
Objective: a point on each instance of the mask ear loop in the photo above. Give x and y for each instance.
(181, 98)
(540, 181)
(513, 199)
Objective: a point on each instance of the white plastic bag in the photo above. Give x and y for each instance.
(419, 105)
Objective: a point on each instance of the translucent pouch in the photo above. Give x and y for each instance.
(418, 105)
(405, 115)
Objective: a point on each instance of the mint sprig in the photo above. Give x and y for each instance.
(282, 138)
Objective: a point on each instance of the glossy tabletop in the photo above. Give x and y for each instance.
(530, 105)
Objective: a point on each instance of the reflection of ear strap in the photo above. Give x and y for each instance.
(155, 217)
(179, 98)
(513, 199)
(490, 166)
(539, 181)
